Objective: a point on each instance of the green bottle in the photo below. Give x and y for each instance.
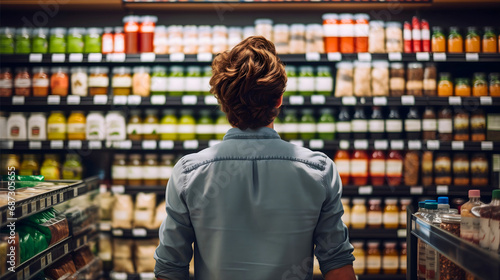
(306, 81)
(75, 39)
(72, 168)
(290, 125)
(7, 40)
(205, 80)
(23, 40)
(168, 125)
(222, 125)
(193, 80)
(324, 81)
(205, 127)
(159, 81)
(57, 43)
(326, 125)
(40, 44)
(291, 84)
(93, 41)
(307, 126)
(187, 125)
(176, 82)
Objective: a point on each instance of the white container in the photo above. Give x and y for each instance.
(3, 126)
(96, 126)
(79, 81)
(115, 126)
(16, 126)
(37, 126)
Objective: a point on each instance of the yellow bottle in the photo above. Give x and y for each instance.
(76, 126)
(29, 166)
(51, 168)
(359, 264)
(56, 126)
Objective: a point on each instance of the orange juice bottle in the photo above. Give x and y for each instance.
(489, 40)
(462, 87)
(479, 85)
(438, 40)
(495, 84)
(445, 85)
(455, 41)
(472, 40)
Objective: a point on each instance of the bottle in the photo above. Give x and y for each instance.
(343, 163)
(290, 125)
(187, 126)
(478, 125)
(472, 40)
(495, 222)
(394, 168)
(391, 213)
(119, 170)
(404, 204)
(168, 125)
(306, 81)
(76, 126)
(192, 80)
(96, 129)
(374, 215)
(116, 128)
(445, 85)
(37, 124)
(374, 259)
(461, 126)
(359, 253)
(134, 170)
(151, 125)
(307, 125)
(455, 41)
(394, 124)
(72, 168)
(489, 40)
(432, 258)
(150, 170)
(413, 124)
(358, 213)
(359, 168)
(427, 168)
(326, 125)
(359, 124)
(390, 258)
(377, 168)
(429, 124)
(41, 81)
(323, 81)
(402, 258)
(146, 33)
(118, 40)
(443, 205)
(51, 168)
(343, 124)
(107, 40)
(291, 85)
(479, 84)
(131, 28)
(165, 167)
(421, 259)
(205, 129)
(438, 40)
(56, 126)
(469, 224)
(376, 125)
(445, 124)
(29, 166)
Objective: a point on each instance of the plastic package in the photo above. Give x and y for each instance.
(144, 249)
(122, 255)
(314, 38)
(281, 38)
(376, 37)
(380, 78)
(141, 81)
(297, 38)
(394, 36)
(122, 211)
(144, 209)
(62, 268)
(161, 214)
(82, 257)
(344, 80)
(362, 78)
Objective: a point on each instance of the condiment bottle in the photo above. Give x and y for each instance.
(377, 168)
(23, 40)
(397, 81)
(394, 124)
(343, 124)
(40, 42)
(37, 124)
(455, 41)
(150, 126)
(146, 33)
(116, 128)
(402, 258)
(469, 225)
(176, 84)
(361, 28)
(430, 79)
(59, 81)
(292, 83)
(323, 82)
(495, 84)
(134, 126)
(57, 42)
(121, 82)
(166, 166)
(358, 213)
(445, 124)
(376, 124)
(187, 125)
(307, 125)
(75, 40)
(489, 40)
(159, 81)
(479, 169)
(29, 166)
(438, 40)
(168, 125)
(119, 40)
(460, 169)
(374, 215)
(479, 85)
(134, 170)
(51, 168)
(478, 125)
(416, 34)
(472, 40)
(16, 126)
(96, 126)
(445, 85)
(359, 124)
(461, 126)
(76, 126)
(359, 168)
(6, 81)
(331, 32)
(346, 33)
(462, 87)
(150, 170)
(373, 259)
(429, 124)
(427, 168)
(98, 80)
(394, 168)
(141, 81)
(326, 125)
(291, 125)
(79, 81)
(72, 168)
(22, 82)
(407, 37)
(404, 204)
(343, 163)
(306, 81)
(40, 81)
(359, 253)
(415, 79)
(193, 80)
(411, 168)
(107, 40)
(56, 126)
(131, 29)
(205, 129)
(442, 169)
(119, 170)
(413, 124)
(426, 36)
(346, 218)
(390, 258)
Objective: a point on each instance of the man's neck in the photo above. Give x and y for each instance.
(271, 125)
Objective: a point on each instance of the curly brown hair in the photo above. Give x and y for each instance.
(248, 82)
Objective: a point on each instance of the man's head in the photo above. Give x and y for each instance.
(249, 82)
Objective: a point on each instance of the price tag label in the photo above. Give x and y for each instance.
(191, 144)
(24, 209)
(49, 201)
(78, 242)
(53, 99)
(75, 192)
(158, 99)
(49, 258)
(42, 203)
(423, 56)
(35, 145)
(414, 145)
(149, 144)
(166, 144)
(418, 190)
(318, 99)
(395, 56)
(118, 189)
(103, 226)
(485, 100)
(117, 232)
(316, 144)
(17, 100)
(20, 275)
(139, 232)
(54, 199)
(119, 276)
(381, 144)
(27, 272)
(441, 189)
(408, 100)
(210, 100)
(61, 197)
(397, 144)
(204, 57)
(336, 56)
(75, 144)
(486, 145)
(148, 57)
(134, 100)
(95, 145)
(455, 100)
(95, 57)
(189, 100)
(344, 144)
(58, 57)
(118, 57)
(364, 56)
(401, 233)
(349, 101)
(100, 99)
(43, 262)
(35, 57)
(125, 145)
(471, 57)
(56, 144)
(213, 142)
(33, 206)
(296, 100)
(299, 143)
(75, 57)
(313, 56)
(360, 144)
(457, 145)
(433, 144)
(147, 276)
(380, 101)
(73, 100)
(120, 100)
(439, 56)
(178, 57)
(365, 190)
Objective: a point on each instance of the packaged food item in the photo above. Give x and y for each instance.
(374, 215)
(448, 269)
(429, 124)
(472, 40)
(62, 268)
(290, 125)
(146, 33)
(460, 169)
(430, 79)
(442, 169)
(76, 126)
(151, 171)
(82, 257)
(249, 31)
(479, 169)
(358, 213)
(394, 168)
(359, 124)
(415, 79)
(479, 85)
(380, 78)
(6, 81)
(22, 82)
(377, 168)
(205, 128)
(478, 125)
(461, 126)
(411, 168)
(121, 81)
(134, 170)
(72, 168)
(40, 43)
(190, 39)
(394, 124)
(168, 125)
(51, 168)
(115, 126)
(107, 40)
(57, 42)
(297, 38)
(416, 34)
(445, 86)
(362, 79)
(462, 87)
(426, 36)
(144, 249)
(344, 80)
(359, 253)
(346, 33)
(160, 41)
(193, 80)
(96, 126)
(119, 170)
(404, 204)
(175, 39)
(29, 166)
(376, 125)
(159, 80)
(79, 81)
(489, 42)
(445, 124)
(281, 38)
(118, 40)
(455, 41)
(413, 124)
(23, 40)
(361, 32)
(166, 166)
(394, 36)
(403, 258)
(469, 225)
(131, 28)
(343, 162)
(397, 81)
(264, 27)
(359, 168)
(207, 75)
(323, 81)
(134, 126)
(438, 39)
(376, 37)
(122, 213)
(59, 81)
(374, 258)
(390, 258)
(150, 125)
(307, 125)
(314, 39)
(16, 126)
(493, 129)
(306, 81)
(75, 39)
(144, 207)
(176, 81)
(56, 126)
(122, 255)
(98, 80)
(331, 32)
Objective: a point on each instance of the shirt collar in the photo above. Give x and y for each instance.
(259, 133)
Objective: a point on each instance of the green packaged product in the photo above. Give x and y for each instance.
(40, 43)
(23, 40)
(75, 40)
(6, 40)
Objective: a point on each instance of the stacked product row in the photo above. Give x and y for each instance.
(376, 257)
(128, 255)
(51, 167)
(136, 170)
(391, 216)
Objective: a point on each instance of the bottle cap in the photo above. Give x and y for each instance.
(443, 200)
(421, 204)
(474, 193)
(432, 205)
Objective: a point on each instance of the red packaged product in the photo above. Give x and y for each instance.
(416, 35)
(426, 36)
(407, 38)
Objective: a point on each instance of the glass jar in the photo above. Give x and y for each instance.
(415, 79)
(168, 125)
(323, 81)
(116, 128)
(445, 86)
(160, 40)
(429, 124)
(343, 163)
(51, 168)
(306, 81)
(472, 40)
(23, 40)
(374, 215)
(59, 81)
(346, 217)
(361, 30)
(76, 126)
(359, 168)
(176, 84)
(362, 85)
(41, 81)
(292, 83)
(442, 169)
(394, 168)
(411, 167)
(39, 43)
(397, 80)
(193, 80)
(107, 40)
(121, 81)
(461, 169)
(119, 40)
(96, 126)
(29, 166)
(150, 126)
(394, 36)
(307, 125)
(205, 128)
(461, 126)
(79, 81)
(404, 204)
(119, 170)
(373, 259)
(205, 39)
(6, 82)
(57, 42)
(134, 126)
(462, 87)
(427, 168)
(56, 126)
(359, 263)
(430, 79)
(205, 80)
(390, 258)
(455, 41)
(447, 268)
(438, 40)
(264, 27)
(159, 81)
(98, 80)
(326, 125)
(281, 38)
(331, 32)
(479, 170)
(72, 168)
(165, 167)
(445, 124)
(358, 213)
(141, 81)
(187, 126)
(489, 41)
(380, 78)
(346, 33)
(391, 213)
(479, 85)
(175, 36)
(134, 170)
(290, 125)
(402, 258)
(93, 41)
(131, 30)
(22, 82)
(146, 33)
(219, 39)
(376, 37)
(478, 125)
(151, 172)
(495, 84)
(7, 40)
(377, 168)
(75, 40)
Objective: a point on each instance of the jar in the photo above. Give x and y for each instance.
(39, 43)
(160, 41)
(307, 125)
(438, 40)
(413, 124)
(264, 27)
(306, 81)
(445, 124)
(119, 170)
(359, 124)
(121, 81)
(362, 85)
(235, 36)
(22, 82)
(479, 170)
(445, 86)
(93, 41)
(478, 125)
(380, 78)
(394, 124)
(359, 167)
(472, 40)
(57, 42)
(390, 258)
(56, 126)
(427, 168)
(343, 162)
(455, 41)
(429, 124)
(403, 258)
(51, 168)
(344, 80)
(98, 80)
(376, 37)
(37, 126)
(187, 126)
(359, 263)
(75, 40)
(326, 125)
(291, 125)
(72, 168)
(193, 80)
(76, 126)
(95, 129)
(59, 81)
(150, 126)
(394, 168)
(168, 125)
(331, 32)
(16, 126)
(462, 87)
(391, 213)
(13, 160)
(23, 40)
(430, 79)
(219, 39)
(176, 84)
(131, 29)
(165, 168)
(281, 38)
(6, 80)
(358, 213)
(115, 126)
(394, 36)
(373, 259)
(397, 81)
(205, 80)
(495, 84)
(374, 215)
(79, 81)
(146, 33)
(119, 40)
(346, 217)
(29, 166)
(489, 40)
(107, 40)
(134, 170)
(40, 81)
(159, 81)
(377, 168)
(205, 128)
(297, 38)
(346, 33)
(175, 34)
(460, 169)
(415, 79)
(221, 126)
(134, 126)
(404, 204)
(479, 85)
(448, 269)
(292, 83)
(461, 126)
(442, 169)
(343, 125)
(411, 168)
(151, 170)
(204, 40)
(7, 40)
(361, 30)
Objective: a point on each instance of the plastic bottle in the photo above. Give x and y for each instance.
(432, 257)
(421, 262)
(495, 222)
(469, 225)
(443, 205)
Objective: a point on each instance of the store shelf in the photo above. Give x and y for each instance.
(105, 226)
(29, 206)
(382, 277)
(481, 262)
(399, 191)
(382, 233)
(119, 189)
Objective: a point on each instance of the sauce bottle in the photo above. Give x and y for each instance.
(131, 28)
(442, 169)
(390, 258)
(76, 126)
(429, 124)
(168, 125)
(445, 124)
(462, 87)
(359, 168)
(343, 124)
(187, 125)
(394, 124)
(469, 224)
(416, 34)
(377, 168)
(374, 215)
(495, 84)
(461, 169)
(134, 126)
(29, 166)
(455, 41)
(361, 32)
(358, 213)
(150, 126)
(445, 85)
(134, 170)
(119, 170)
(343, 162)
(307, 126)
(461, 126)
(205, 129)
(489, 40)
(107, 40)
(411, 168)
(291, 125)
(376, 124)
(119, 40)
(346, 33)
(147, 33)
(404, 204)
(479, 85)
(41, 81)
(373, 259)
(359, 124)
(478, 125)
(402, 258)
(151, 170)
(360, 255)
(326, 125)
(391, 213)
(472, 40)
(413, 124)
(427, 168)
(331, 32)
(479, 169)
(394, 168)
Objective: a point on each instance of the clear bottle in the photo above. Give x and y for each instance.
(92, 39)
(187, 125)
(469, 224)
(141, 81)
(359, 253)
(98, 80)
(443, 205)
(358, 213)
(116, 128)
(432, 260)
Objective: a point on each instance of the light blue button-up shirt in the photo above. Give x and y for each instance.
(255, 207)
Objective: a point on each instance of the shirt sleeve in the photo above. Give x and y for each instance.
(331, 236)
(175, 251)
